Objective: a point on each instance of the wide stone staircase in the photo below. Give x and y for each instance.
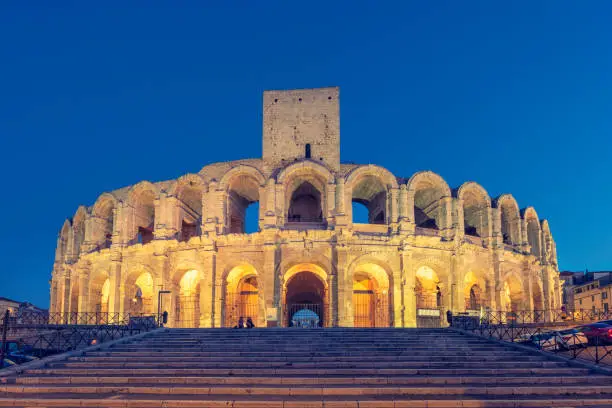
(307, 368)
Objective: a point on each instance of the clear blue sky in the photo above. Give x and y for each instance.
(516, 96)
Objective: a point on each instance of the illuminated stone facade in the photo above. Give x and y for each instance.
(426, 248)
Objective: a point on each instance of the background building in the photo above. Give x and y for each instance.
(593, 292)
(424, 249)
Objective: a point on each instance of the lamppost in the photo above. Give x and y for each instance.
(159, 303)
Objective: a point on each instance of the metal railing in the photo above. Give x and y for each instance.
(37, 335)
(523, 317)
(565, 340)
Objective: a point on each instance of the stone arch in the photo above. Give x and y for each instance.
(474, 290)
(103, 214)
(142, 198)
(242, 295)
(243, 185)
(306, 186)
(372, 292)
(74, 299)
(476, 204)
(370, 186)
(427, 288)
(63, 241)
(186, 293)
(189, 190)
(78, 230)
(139, 291)
(305, 286)
(427, 192)
(99, 293)
(548, 244)
(532, 223)
(512, 296)
(510, 219)
(537, 294)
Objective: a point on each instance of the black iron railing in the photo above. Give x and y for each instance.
(27, 336)
(570, 340)
(524, 317)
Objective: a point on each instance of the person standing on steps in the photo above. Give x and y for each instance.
(240, 324)
(249, 323)
(449, 317)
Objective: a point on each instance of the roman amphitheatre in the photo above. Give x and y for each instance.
(182, 245)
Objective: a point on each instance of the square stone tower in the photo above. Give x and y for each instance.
(301, 123)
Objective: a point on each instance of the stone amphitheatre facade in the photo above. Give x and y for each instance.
(424, 249)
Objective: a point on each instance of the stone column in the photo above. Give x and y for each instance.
(83, 276)
(269, 279)
(331, 202)
(448, 230)
(395, 292)
(206, 289)
(345, 290)
(340, 204)
(269, 205)
(409, 284)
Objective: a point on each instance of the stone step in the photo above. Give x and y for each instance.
(281, 358)
(297, 354)
(312, 390)
(145, 401)
(274, 380)
(475, 370)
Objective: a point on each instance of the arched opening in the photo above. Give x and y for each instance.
(242, 295)
(307, 152)
(429, 300)
(139, 293)
(475, 211)
(190, 207)
(99, 292)
(74, 301)
(370, 296)
(533, 235)
(305, 204)
(188, 300)
(473, 292)
(509, 221)
(371, 194)
(104, 219)
(243, 204)
(538, 297)
(144, 216)
(305, 295)
(512, 294)
(429, 209)
(78, 230)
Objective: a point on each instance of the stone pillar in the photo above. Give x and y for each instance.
(206, 289)
(447, 208)
(498, 285)
(409, 284)
(114, 295)
(330, 201)
(395, 292)
(269, 205)
(65, 308)
(394, 218)
(332, 284)
(459, 222)
(345, 289)
(281, 211)
(83, 277)
(403, 203)
(269, 279)
(340, 199)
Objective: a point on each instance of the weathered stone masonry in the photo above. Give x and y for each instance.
(425, 247)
